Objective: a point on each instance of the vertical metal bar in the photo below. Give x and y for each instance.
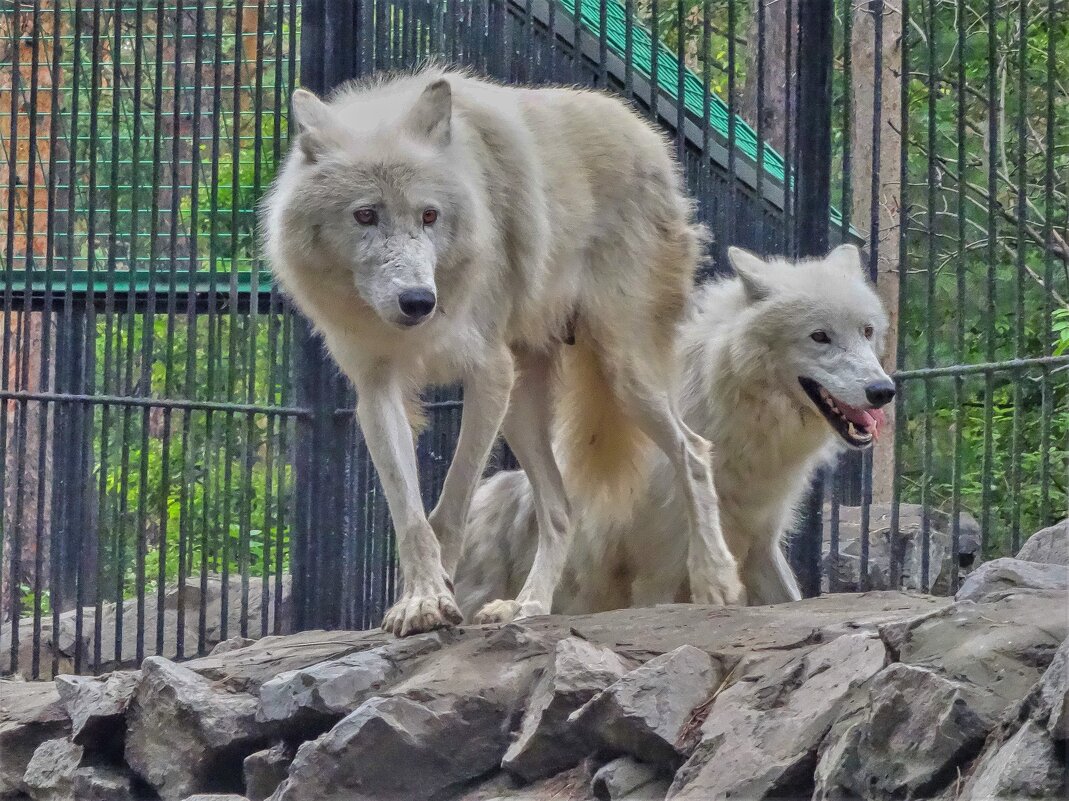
(929, 304)
(1019, 287)
(681, 74)
(814, 206)
(959, 334)
(895, 564)
(993, 114)
(655, 53)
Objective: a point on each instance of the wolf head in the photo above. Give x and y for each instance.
(823, 329)
(371, 189)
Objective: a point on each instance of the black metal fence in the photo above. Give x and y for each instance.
(180, 462)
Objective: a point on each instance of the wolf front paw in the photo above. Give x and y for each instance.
(507, 611)
(417, 613)
(720, 589)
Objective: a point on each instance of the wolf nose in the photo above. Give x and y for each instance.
(880, 394)
(416, 303)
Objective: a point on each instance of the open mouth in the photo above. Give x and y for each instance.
(857, 427)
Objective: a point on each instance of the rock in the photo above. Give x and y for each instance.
(322, 694)
(916, 728)
(1028, 765)
(397, 748)
(546, 744)
(761, 735)
(96, 706)
(99, 783)
(569, 785)
(265, 770)
(30, 714)
(1048, 545)
(216, 797)
(63, 643)
(1005, 574)
(1052, 695)
(995, 650)
(847, 565)
(50, 773)
(645, 712)
(624, 777)
(231, 644)
(186, 736)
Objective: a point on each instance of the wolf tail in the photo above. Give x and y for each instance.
(600, 449)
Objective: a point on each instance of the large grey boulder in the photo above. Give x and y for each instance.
(104, 783)
(627, 778)
(266, 770)
(1001, 575)
(50, 773)
(761, 735)
(1051, 695)
(546, 743)
(1048, 545)
(1028, 765)
(907, 545)
(96, 705)
(397, 749)
(915, 729)
(185, 736)
(645, 713)
(327, 691)
(30, 714)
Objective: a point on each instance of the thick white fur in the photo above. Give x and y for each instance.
(558, 211)
(745, 343)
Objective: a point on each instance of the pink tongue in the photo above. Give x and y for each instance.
(869, 421)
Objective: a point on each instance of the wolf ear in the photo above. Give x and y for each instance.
(430, 117)
(848, 257)
(751, 270)
(312, 116)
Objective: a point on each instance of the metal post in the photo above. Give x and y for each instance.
(327, 60)
(815, 54)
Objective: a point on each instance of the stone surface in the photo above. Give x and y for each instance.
(62, 643)
(1028, 765)
(847, 566)
(915, 729)
(1052, 695)
(30, 714)
(645, 712)
(329, 690)
(996, 650)
(216, 797)
(50, 773)
(1005, 574)
(396, 748)
(185, 736)
(761, 736)
(265, 770)
(231, 644)
(625, 777)
(1048, 545)
(546, 743)
(96, 705)
(792, 700)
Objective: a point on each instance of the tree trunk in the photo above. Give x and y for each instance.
(772, 107)
(888, 186)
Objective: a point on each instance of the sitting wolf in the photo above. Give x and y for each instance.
(438, 228)
(781, 369)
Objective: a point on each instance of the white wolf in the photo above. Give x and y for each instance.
(435, 228)
(781, 367)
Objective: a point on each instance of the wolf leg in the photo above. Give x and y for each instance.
(427, 602)
(486, 397)
(713, 573)
(527, 430)
(768, 577)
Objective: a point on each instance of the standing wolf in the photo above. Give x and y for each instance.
(781, 368)
(436, 228)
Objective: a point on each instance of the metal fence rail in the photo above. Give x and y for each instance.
(179, 458)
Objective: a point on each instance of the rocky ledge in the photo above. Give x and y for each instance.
(885, 695)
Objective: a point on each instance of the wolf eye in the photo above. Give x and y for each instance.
(868, 331)
(366, 216)
(821, 337)
(430, 216)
